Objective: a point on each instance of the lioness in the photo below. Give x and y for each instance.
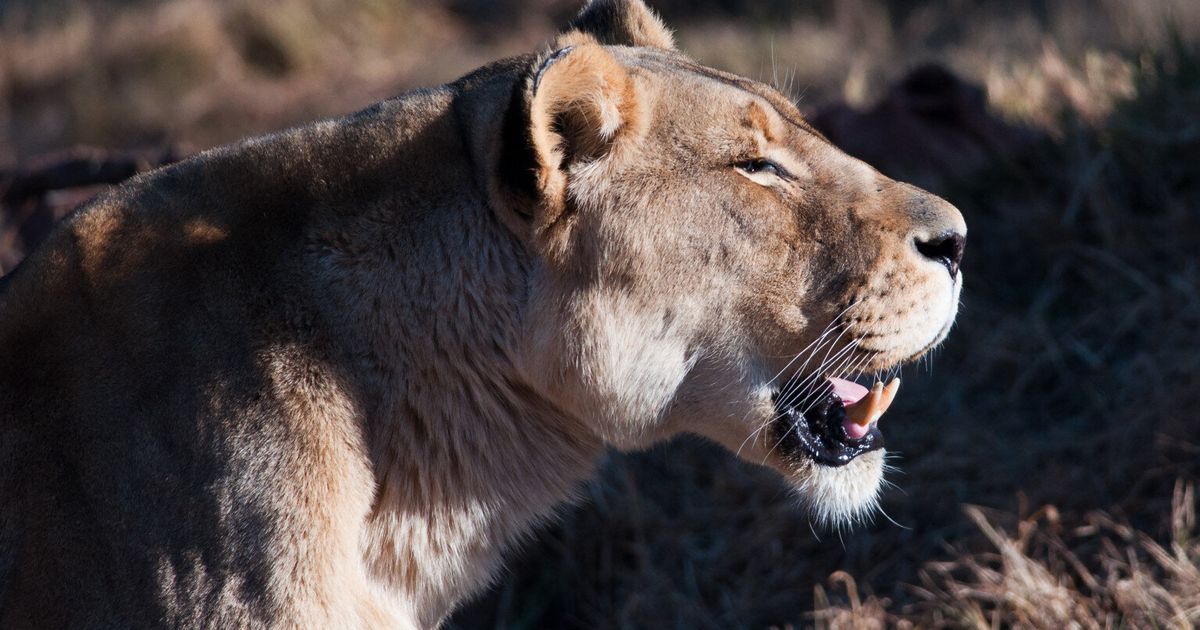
(324, 378)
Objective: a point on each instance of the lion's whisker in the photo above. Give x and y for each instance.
(819, 342)
(829, 328)
(847, 360)
(821, 368)
(804, 387)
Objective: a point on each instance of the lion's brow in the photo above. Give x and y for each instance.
(748, 86)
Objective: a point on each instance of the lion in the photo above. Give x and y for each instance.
(328, 376)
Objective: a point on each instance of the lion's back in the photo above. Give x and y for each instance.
(102, 332)
(132, 393)
(173, 422)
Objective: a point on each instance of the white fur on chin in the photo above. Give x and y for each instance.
(842, 496)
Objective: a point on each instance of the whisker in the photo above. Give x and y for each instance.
(890, 519)
(824, 359)
(845, 360)
(811, 350)
(823, 369)
(811, 404)
(805, 385)
(827, 330)
(844, 363)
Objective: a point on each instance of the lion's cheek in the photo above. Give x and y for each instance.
(612, 364)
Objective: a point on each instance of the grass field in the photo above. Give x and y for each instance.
(1047, 455)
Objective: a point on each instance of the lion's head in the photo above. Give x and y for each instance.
(710, 263)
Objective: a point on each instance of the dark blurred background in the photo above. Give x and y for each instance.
(1046, 456)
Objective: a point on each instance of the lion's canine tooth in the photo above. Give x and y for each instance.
(889, 392)
(872, 407)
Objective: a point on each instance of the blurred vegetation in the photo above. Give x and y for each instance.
(1064, 406)
(120, 73)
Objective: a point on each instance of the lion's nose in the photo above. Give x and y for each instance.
(938, 230)
(945, 248)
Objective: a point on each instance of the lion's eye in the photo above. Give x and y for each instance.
(761, 165)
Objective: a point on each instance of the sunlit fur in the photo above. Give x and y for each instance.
(327, 377)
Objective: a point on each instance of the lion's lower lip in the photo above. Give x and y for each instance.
(813, 424)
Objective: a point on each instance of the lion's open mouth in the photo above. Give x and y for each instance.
(834, 422)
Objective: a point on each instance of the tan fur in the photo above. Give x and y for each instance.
(325, 378)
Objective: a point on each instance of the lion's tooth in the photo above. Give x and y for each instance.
(889, 392)
(872, 407)
(857, 413)
(863, 412)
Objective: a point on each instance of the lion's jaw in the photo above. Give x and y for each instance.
(685, 289)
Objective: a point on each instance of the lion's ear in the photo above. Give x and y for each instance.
(617, 23)
(582, 105)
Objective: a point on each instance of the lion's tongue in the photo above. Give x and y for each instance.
(849, 391)
(863, 406)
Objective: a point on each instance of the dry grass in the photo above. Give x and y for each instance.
(1064, 405)
(1037, 578)
(205, 72)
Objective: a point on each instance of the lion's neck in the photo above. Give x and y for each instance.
(466, 456)
(457, 486)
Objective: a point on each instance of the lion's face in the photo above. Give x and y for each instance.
(712, 261)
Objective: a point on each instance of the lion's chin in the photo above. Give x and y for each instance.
(841, 496)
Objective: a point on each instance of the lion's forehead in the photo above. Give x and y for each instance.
(711, 111)
(672, 69)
